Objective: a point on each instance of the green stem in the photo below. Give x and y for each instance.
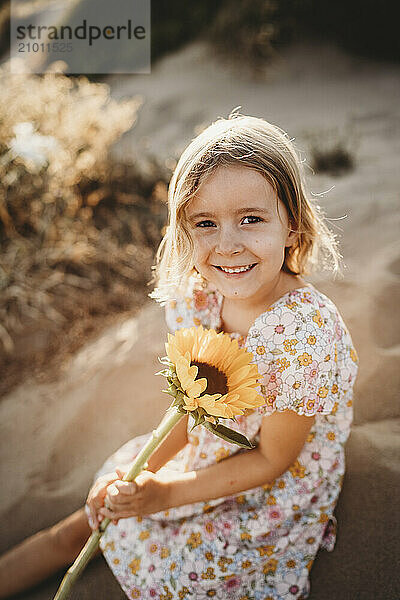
(169, 421)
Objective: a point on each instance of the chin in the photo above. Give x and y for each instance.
(236, 294)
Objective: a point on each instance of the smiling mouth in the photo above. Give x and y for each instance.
(235, 270)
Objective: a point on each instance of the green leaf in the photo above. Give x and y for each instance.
(164, 372)
(176, 402)
(165, 361)
(229, 435)
(172, 582)
(170, 393)
(198, 418)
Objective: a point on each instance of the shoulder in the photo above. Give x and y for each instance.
(297, 344)
(299, 316)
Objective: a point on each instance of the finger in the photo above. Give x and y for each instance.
(92, 517)
(112, 491)
(120, 473)
(92, 522)
(107, 513)
(94, 499)
(121, 492)
(127, 488)
(96, 503)
(101, 483)
(115, 515)
(118, 502)
(94, 506)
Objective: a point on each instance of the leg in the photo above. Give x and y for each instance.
(42, 554)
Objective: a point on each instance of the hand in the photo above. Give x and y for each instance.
(149, 493)
(97, 494)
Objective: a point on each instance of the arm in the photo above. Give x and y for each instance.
(282, 437)
(170, 446)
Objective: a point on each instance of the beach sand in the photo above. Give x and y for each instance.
(55, 435)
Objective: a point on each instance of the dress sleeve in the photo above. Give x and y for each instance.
(179, 313)
(196, 306)
(295, 355)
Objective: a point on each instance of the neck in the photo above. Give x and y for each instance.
(238, 315)
(283, 283)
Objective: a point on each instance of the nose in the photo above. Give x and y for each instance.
(228, 242)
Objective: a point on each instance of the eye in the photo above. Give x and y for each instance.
(252, 219)
(206, 223)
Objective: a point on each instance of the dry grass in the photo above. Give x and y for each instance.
(77, 232)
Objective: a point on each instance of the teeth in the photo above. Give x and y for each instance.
(236, 270)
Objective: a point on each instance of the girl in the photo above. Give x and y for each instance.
(206, 519)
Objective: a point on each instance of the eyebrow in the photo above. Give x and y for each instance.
(245, 210)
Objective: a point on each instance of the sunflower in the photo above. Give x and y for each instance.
(213, 373)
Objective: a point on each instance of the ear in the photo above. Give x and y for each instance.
(292, 236)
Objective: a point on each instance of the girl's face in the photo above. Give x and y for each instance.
(239, 232)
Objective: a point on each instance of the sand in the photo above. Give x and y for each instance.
(55, 435)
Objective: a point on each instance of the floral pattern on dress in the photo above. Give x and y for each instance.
(259, 544)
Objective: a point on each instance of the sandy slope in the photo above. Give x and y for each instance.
(54, 436)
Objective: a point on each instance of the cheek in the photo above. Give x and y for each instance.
(270, 244)
(262, 246)
(201, 247)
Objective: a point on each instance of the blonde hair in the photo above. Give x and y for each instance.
(250, 142)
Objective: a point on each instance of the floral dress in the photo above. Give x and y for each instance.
(259, 544)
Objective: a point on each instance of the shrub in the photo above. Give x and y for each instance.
(332, 152)
(247, 31)
(77, 231)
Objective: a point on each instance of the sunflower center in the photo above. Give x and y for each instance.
(217, 380)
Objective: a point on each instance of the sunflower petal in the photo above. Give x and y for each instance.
(220, 351)
(192, 371)
(240, 361)
(239, 376)
(212, 405)
(190, 403)
(194, 389)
